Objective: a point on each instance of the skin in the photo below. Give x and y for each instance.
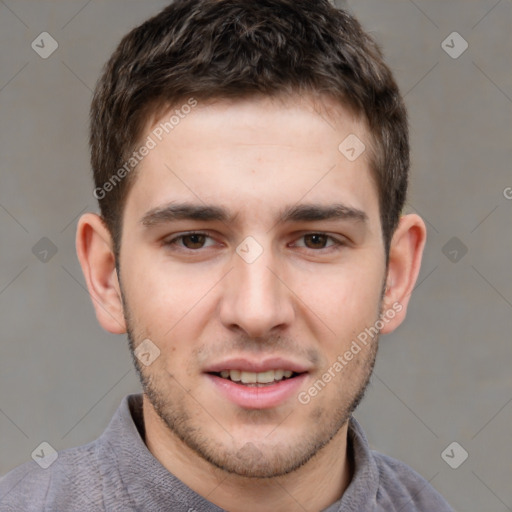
(304, 298)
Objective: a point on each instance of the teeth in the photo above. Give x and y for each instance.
(265, 377)
(256, 378)
(235, 375)
(249, 377)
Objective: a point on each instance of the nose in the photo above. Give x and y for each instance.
(256, 297)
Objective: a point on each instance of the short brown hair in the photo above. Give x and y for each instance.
(220, 49)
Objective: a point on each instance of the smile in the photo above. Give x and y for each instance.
(256, 379)
(257, 390)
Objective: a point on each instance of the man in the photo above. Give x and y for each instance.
(250, 161)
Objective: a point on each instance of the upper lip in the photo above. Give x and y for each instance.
(251, 365)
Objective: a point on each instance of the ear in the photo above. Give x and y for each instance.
(94, 248)
(405, 253)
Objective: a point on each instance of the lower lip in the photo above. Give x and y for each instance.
(258, 397)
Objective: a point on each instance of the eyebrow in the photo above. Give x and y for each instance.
(210, 213)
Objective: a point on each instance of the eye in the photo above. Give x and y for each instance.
(191, 241)
(196, 240)
(318, 241)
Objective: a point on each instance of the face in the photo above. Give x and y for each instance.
(252, 257)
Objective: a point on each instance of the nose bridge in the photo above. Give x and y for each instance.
(256, 299)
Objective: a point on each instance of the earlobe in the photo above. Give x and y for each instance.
(97, 259)
(405, 253)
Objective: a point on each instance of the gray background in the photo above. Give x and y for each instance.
(443, 376)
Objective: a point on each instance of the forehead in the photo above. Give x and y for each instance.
(255, 156)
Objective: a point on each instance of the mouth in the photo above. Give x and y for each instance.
(257, 384)
(256, 379)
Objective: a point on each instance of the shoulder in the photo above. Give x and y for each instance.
(72, 480)
(25, 488)
(401, 488)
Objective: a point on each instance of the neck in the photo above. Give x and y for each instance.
(314, 486)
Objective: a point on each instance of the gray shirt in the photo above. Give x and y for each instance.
(117, 472)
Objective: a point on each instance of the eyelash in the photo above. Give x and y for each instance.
(334, 247)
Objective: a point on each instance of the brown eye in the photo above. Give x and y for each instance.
(190, 241)
(320, 242)
(317, 240)
(196, 241)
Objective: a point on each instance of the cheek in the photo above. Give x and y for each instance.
(345, 295)
(161, 287)
(347, 303)
(162, 301)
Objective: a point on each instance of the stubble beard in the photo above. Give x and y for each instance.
(178, 411)
(249, 460)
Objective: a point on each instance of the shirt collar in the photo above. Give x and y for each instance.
(152, 487)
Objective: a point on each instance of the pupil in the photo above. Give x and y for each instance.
(317, 239)
(196, 239)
